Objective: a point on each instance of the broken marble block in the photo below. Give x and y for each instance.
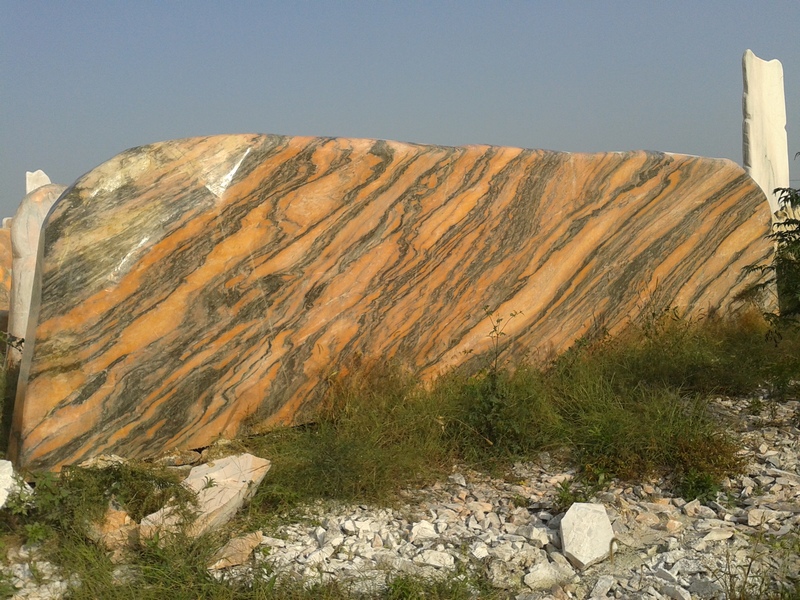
(8, 483)
(586, 534)
(222, 487)
(208, 287)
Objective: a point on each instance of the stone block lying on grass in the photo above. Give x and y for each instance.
(222, 487)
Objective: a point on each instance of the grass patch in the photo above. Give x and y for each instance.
(377, 432)
(628, 406)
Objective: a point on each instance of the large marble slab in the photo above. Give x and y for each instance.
(201, 288)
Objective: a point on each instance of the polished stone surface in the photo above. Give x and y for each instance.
(201, 288)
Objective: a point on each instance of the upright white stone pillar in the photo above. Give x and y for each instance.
(26, 226)
(765, 147)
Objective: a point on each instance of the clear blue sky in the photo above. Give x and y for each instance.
(82, 81)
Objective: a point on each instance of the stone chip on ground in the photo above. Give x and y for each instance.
(586, 534)
(236, 552)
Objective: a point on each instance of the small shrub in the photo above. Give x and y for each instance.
(783, 275)
(500, 416)
(67, 503)
(698, 485)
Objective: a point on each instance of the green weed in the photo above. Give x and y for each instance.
(764, 574)
(696, 485)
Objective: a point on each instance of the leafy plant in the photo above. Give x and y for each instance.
(698, 485)
(783, 274)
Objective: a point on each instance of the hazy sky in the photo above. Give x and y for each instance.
(80, 81)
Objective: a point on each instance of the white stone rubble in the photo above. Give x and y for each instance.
(664, 546)
(667, 547)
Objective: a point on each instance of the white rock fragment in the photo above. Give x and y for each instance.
(458, 479)
(436, 558)
(695, 509)
(586, 534)
(676, 592)
(602, 587)
(424, 530)
(479, 550)
(544, 575)
(717, 534)
(662, 573)
(236, 552)
(535, 535)
(760, 516)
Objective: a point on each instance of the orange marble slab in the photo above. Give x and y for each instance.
(206, 287)
(5, 270)
(5, 277)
